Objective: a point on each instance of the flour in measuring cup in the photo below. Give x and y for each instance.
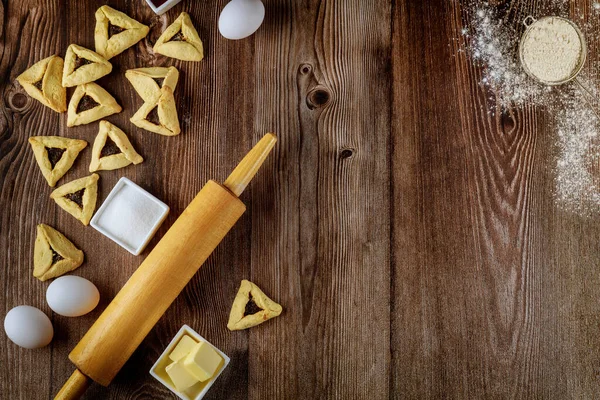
(551, 50)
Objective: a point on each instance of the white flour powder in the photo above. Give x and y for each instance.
(493, 43)
(552, 49)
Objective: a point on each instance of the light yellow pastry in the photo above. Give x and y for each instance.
(83, 65)
(42, 81)
(55, 155)
(251, 307)
(180, 40)
(112, 149)
(147, 82)
(78, 197)
(54, 254)
(159, 116)
(89, 103)
(116, 32)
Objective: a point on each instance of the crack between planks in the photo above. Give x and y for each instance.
(390, 160)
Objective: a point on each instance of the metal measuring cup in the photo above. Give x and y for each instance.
(529, 23)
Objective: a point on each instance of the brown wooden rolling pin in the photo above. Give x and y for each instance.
(162, 276)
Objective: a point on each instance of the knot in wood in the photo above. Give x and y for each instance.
(317, 97)
(346, 153)
(16, 100)
(305, 69)
(19, 101)
(508, 121)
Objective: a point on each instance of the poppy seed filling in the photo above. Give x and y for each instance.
(110, 148)
(80, 62)
(86, 103)
(114, 30)
(54, 155)
(76, 197)
(55, 256)
(251, 307)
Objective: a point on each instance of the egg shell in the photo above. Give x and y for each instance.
(241, 18)
(72, 296)
(28, 327)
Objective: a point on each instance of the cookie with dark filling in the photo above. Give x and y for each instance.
(148, 82)
(78, 197)
(116, 31)
(90, 102)
(42, 81)
(55, 155)
(180, 40)
(83, 66)
(112, 149)
(251, 307)
(54, 254)
(159, 115)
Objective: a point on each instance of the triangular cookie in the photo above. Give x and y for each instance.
(159, 116)
(112, 149)
(42, 81)
(251, 307)
(83, 65)
(54, 254)
(89, 103)
(147, 82)
(180, 40)
(116, 31)
(55, 155)
(78, 197)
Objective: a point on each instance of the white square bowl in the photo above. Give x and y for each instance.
(199, 390)
(163, 8)
(161, 213)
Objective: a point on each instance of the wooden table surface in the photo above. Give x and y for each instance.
(411, 237)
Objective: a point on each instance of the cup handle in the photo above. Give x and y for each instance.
(528, 21)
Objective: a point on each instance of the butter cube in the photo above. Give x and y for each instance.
(180, 376)
(183, 348)
(202, 362)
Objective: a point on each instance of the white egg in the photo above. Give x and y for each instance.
(28, 327)
(72, 296)
(241, 18)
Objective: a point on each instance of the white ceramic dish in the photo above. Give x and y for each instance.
(163, 8)
(160, 211)
(199, 390)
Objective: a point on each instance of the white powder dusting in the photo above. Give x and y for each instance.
(576, 170)
(493, 45)
(552, 49)
(492, 42)
(130, 216)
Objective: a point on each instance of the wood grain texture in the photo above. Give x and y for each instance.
(410, 235)
(326, 214)
(491, 294)
(310, 237)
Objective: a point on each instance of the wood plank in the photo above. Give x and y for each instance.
(19, 183)
(491, 288)
(316, 234)
(175, 169)
(320, 232)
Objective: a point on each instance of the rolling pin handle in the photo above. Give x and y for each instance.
(249, 166)
(74, 387)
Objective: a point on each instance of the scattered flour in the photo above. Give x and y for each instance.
(493, 43)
